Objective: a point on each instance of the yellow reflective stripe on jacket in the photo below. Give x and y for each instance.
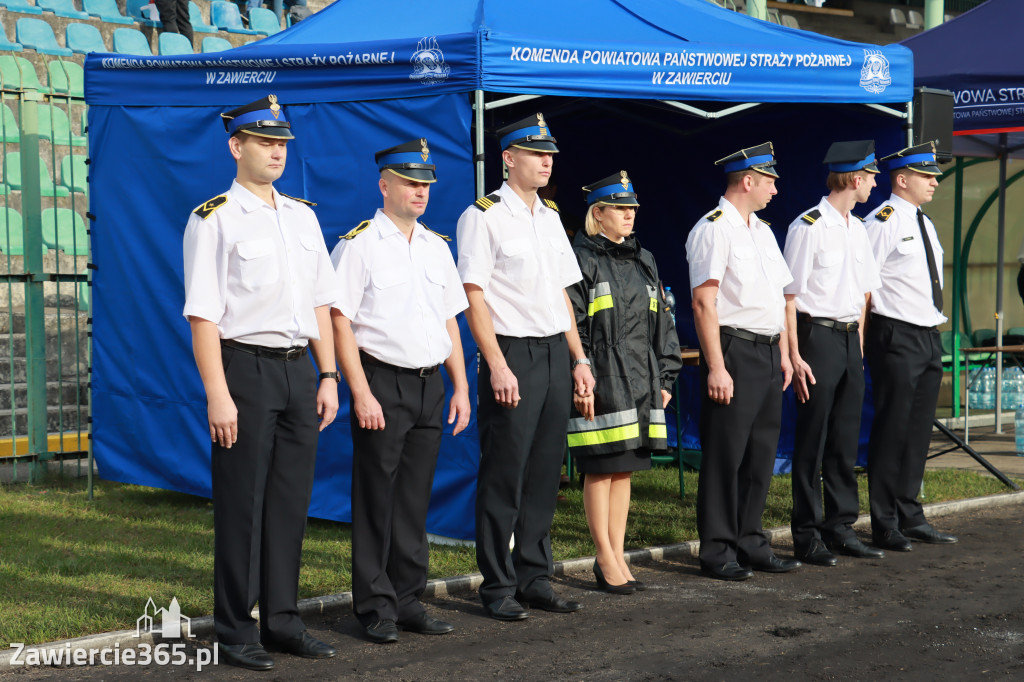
(604, 436)
(598, 304)
(659, 431)
(654, 305)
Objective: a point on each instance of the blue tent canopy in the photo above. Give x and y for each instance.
(363, 75)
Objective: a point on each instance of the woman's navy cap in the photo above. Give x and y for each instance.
(615, 190)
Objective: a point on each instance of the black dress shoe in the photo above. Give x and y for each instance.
(730, 570)
(773, 564)
(891, 539)
(855, 548)
(637, 585)
(426, 625)
(552, 603)
(816, 553)
(305, 645)
(250, 656)
(925, 533)
(382, 632)
(506, 608)
(603, 584)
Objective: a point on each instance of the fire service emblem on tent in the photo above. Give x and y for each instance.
(428, 65)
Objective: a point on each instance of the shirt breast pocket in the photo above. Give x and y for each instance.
(743, 263)
(387, 282)
(257, 263)
(310, 253)
(517, 260)
(909, 247)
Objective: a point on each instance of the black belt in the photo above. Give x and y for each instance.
(901, 323)
(421, 372)
(286, 354)
(827, 322)
(750, 336)
(546, 340)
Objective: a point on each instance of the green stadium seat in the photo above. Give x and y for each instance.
(215, 44)
(131, 41)
(19, 74)
(9, 132)
(74, 173)
(64, 229)
(12, 176)
(84, 297)
(85, 121)
(983, 337)
(195, 17)
(84, 38)
(226, 17)
(55, 127)
(133, 8)
(264, 21)
(107, 11)
(66, 78)
(61, 8)
(6, 44)
(12, 233)
(174, 43)
(21, 6)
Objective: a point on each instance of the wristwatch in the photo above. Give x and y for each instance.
(581, 361)
(330, 375)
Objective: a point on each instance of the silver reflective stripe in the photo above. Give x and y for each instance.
(652, 292)
(657, 416)
(600, 289)
(606, 421)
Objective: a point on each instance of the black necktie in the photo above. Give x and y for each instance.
(933, 271)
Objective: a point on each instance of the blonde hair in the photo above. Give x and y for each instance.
(592, 226)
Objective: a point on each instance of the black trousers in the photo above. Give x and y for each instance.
(906, 370)
(174, 17)
(392, 473)
(827, 436)
(521, 452)
(738, 444)
(261, 491)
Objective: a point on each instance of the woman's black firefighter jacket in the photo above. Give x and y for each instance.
(627, 332)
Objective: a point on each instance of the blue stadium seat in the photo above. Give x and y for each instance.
(174, 43)
(19, 74)
(195, 17)
(264, 21)
(214, 44)
(84, 38)
(133, 8)
(226, 17)
(131, 41)
(66, 78)
(61, 8)
(6, 44)
(37, 35)
(20, 6)
(105, 10)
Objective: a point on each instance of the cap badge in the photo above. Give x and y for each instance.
(624, 180)
(424, 153)
(275, 108)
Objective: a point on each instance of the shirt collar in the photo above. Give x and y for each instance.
(902, 205)
(733, 214)
(830, 212)
(515, 203)
(385, 227)
(249, 201)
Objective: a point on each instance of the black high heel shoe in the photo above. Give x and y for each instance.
(637, 585)
(603, 584)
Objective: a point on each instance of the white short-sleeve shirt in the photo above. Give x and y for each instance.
(746, 261)
(398, 293)
(523, 262)
(831, 262)
(895, 238)
(256, 272)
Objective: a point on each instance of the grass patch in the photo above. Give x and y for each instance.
(69, 567)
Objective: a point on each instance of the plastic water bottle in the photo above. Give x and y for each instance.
(1011, 388)
(1018, 429)
(670, 298)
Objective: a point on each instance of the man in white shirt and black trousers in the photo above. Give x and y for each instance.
(394, 325)
(737, 273)
(515, 262)
(834, 273)
(258, 291)
(904, 350)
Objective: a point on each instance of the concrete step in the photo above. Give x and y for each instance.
(52, 321)
(64, 348)
(70, 418)
(66, 393)
(15, 370)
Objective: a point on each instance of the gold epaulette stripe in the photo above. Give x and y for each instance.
(206, 209)
(355, 231)
(307, 202)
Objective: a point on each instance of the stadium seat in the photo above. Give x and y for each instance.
(83, 294)
(195, 16)
(107, 11)
(133, 8)
(64, 229)
(174, 43)
(36, 34)
(773, 16)
(897, 17)
(61, 8)
(74, 173)
(131, 41)
(214, 44)
(21, 6)
(6, 44)
(9, 132)
(915, 21)
(790, 21)
(226, 17)
(19, 74)
(264, 21)
(46, 187)
(983, 337)
(85, 121)
(84, 38)
(66, 78)
(12, 233)
(55, 127)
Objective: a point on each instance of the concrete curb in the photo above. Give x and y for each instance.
(462, 584)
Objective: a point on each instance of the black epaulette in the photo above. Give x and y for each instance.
(857, 217)
(484, 203)
(442, 236)
(884, 214)
(811, 217)
(713, 216)
(206, 210)
(550, 204)
(307, 202)
(354, 232)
